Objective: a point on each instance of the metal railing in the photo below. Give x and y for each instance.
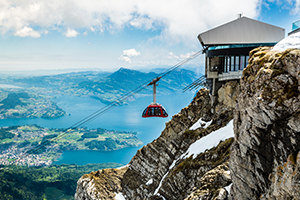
(200, 82)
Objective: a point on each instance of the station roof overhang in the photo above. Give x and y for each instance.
(241, 31)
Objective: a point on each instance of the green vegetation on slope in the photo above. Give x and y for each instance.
(16, 104)
(19, 139)
(36, 183)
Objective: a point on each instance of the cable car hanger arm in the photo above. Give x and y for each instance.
(154, 81)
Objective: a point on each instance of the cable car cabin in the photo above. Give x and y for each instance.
(155, 110)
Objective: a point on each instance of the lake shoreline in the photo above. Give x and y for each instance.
(123, 118)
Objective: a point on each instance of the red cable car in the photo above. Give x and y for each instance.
(154, 109)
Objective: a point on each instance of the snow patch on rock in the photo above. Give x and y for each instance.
(292, 41)
(210, 141)
(149, 182)
(119, 196)
(200, 123)
(206, 142)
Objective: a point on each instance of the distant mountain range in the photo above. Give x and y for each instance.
(106, 86)
(125, 80)
(59, 80)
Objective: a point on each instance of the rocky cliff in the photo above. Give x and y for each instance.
(168, 168)
(264, 161)
(196, 158)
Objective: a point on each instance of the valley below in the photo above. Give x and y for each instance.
(43, 159)
(33, 145)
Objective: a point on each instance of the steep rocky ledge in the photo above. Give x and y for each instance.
(161, 170)
(264, 161)
(263, 157)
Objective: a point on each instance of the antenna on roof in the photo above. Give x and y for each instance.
(239, 15)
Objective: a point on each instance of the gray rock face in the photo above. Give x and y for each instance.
(174, 178)
(285, 180)
(153, 161)
(158, 172)
(100, 185)
(266, 122)
(212, 184)
(208, 171)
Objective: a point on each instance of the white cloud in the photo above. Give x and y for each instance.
(181, 56)
(177, 20)
(172, 56)
(71, 33)
(27, 32)
(131, 53)
(127, 54)
(142, 23)
(125, 59)
(184, 56)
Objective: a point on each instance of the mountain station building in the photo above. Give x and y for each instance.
(295, 28)
(227, 48)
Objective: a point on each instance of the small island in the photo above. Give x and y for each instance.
(17, 140)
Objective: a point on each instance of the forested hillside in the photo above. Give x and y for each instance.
(36, 183)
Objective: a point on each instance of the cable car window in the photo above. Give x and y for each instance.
(164, 112)
(145, 112)
(151, 111)
(157, 111)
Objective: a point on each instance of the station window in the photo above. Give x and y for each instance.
(232, 63)
(225, 64)
(242, 62)
(247, 58)
(236, 63)
(228, 64)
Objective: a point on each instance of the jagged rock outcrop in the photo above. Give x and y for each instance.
(285, 180)
(174, 178)
(227, 95)
(266, 126)
(158, 170)
(102, 184)
(212, 184)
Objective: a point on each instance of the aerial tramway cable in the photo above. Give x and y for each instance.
(101, 111)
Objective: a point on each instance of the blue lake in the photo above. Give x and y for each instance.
(123, 118)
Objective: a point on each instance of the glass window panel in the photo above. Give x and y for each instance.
(145, 111)
(242, 62)
(228, 63)
(157, 111)
(232, 63)
(151, 111)
(237, 62)
(225, 64)
(247, 58)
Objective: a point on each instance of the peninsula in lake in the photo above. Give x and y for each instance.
(19, 104)
(44, 145)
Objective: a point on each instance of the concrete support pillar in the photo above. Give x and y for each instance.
(213, 92)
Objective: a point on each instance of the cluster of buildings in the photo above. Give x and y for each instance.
(227, 48)
(32, 160)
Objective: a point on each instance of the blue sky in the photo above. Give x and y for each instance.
(107, 35)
